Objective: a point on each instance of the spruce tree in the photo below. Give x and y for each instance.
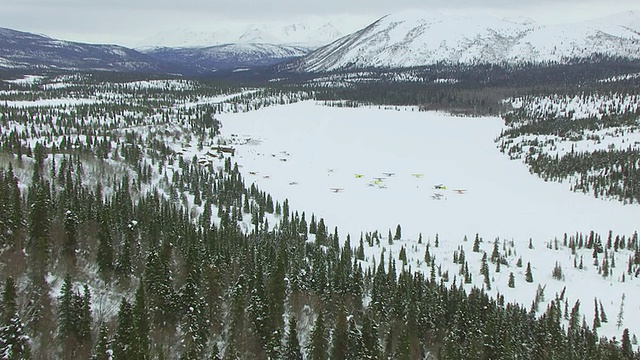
(104, 256)
(398, 234)
(528, 275)
(317, 346)
(123, 345)
(292, 344)
(71, 231)
(512, 280)
(339, 344)
(627, 348)
(66, 310)
(141, 324)
(603, 315)
(38, 245)
(355, 342)
(14, 342)
(103, 349)
(495, 254)
(596, 316)
(370, 340)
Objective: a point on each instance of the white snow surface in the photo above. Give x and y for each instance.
(419, 38)
(303, 151)
(325, 148)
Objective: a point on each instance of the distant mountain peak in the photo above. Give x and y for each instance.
(299, 34)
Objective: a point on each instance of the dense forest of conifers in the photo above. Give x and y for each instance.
(139, 275)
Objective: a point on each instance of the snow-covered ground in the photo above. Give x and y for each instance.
(321, 148)
(368, 169)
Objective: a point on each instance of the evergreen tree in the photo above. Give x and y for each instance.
(103, 349)
(355, 342)
(427, 255)
(398, 234)
(38, 244)
(596, 317)
(370, 342)
(317, 346)
(476, 244)
(292, 344)
(193, 323)
(627, 349)
(603, 315)
(124, 342)
(104, 256)
(484, 270)
(512, 280)
(528, 275)
(360, 250)
(14, 342)
(495, 254)
(141, 324)
(621, 312)
(71, 231)
(403, 349)
(340, 345)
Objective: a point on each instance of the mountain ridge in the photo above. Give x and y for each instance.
(421, 38)
(304, 34)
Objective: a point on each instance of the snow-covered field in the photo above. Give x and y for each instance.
(320, 148)
(368, 169)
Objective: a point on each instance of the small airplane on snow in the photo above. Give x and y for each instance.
(388, 174)
(440, 187)
(460, 191)
(253, 172)
(336, 190)
(418, 176)
(358, 176)
(437, 196)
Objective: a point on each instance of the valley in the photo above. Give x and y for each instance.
(429, 187)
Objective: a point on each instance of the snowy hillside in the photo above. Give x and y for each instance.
(423, 38)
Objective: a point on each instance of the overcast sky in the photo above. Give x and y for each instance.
(127, 22)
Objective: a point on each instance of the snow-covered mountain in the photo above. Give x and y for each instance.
(227, 56)
(299, 34)
(420, 38)
(22, 50)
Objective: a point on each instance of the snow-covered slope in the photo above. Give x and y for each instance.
(419, 38)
